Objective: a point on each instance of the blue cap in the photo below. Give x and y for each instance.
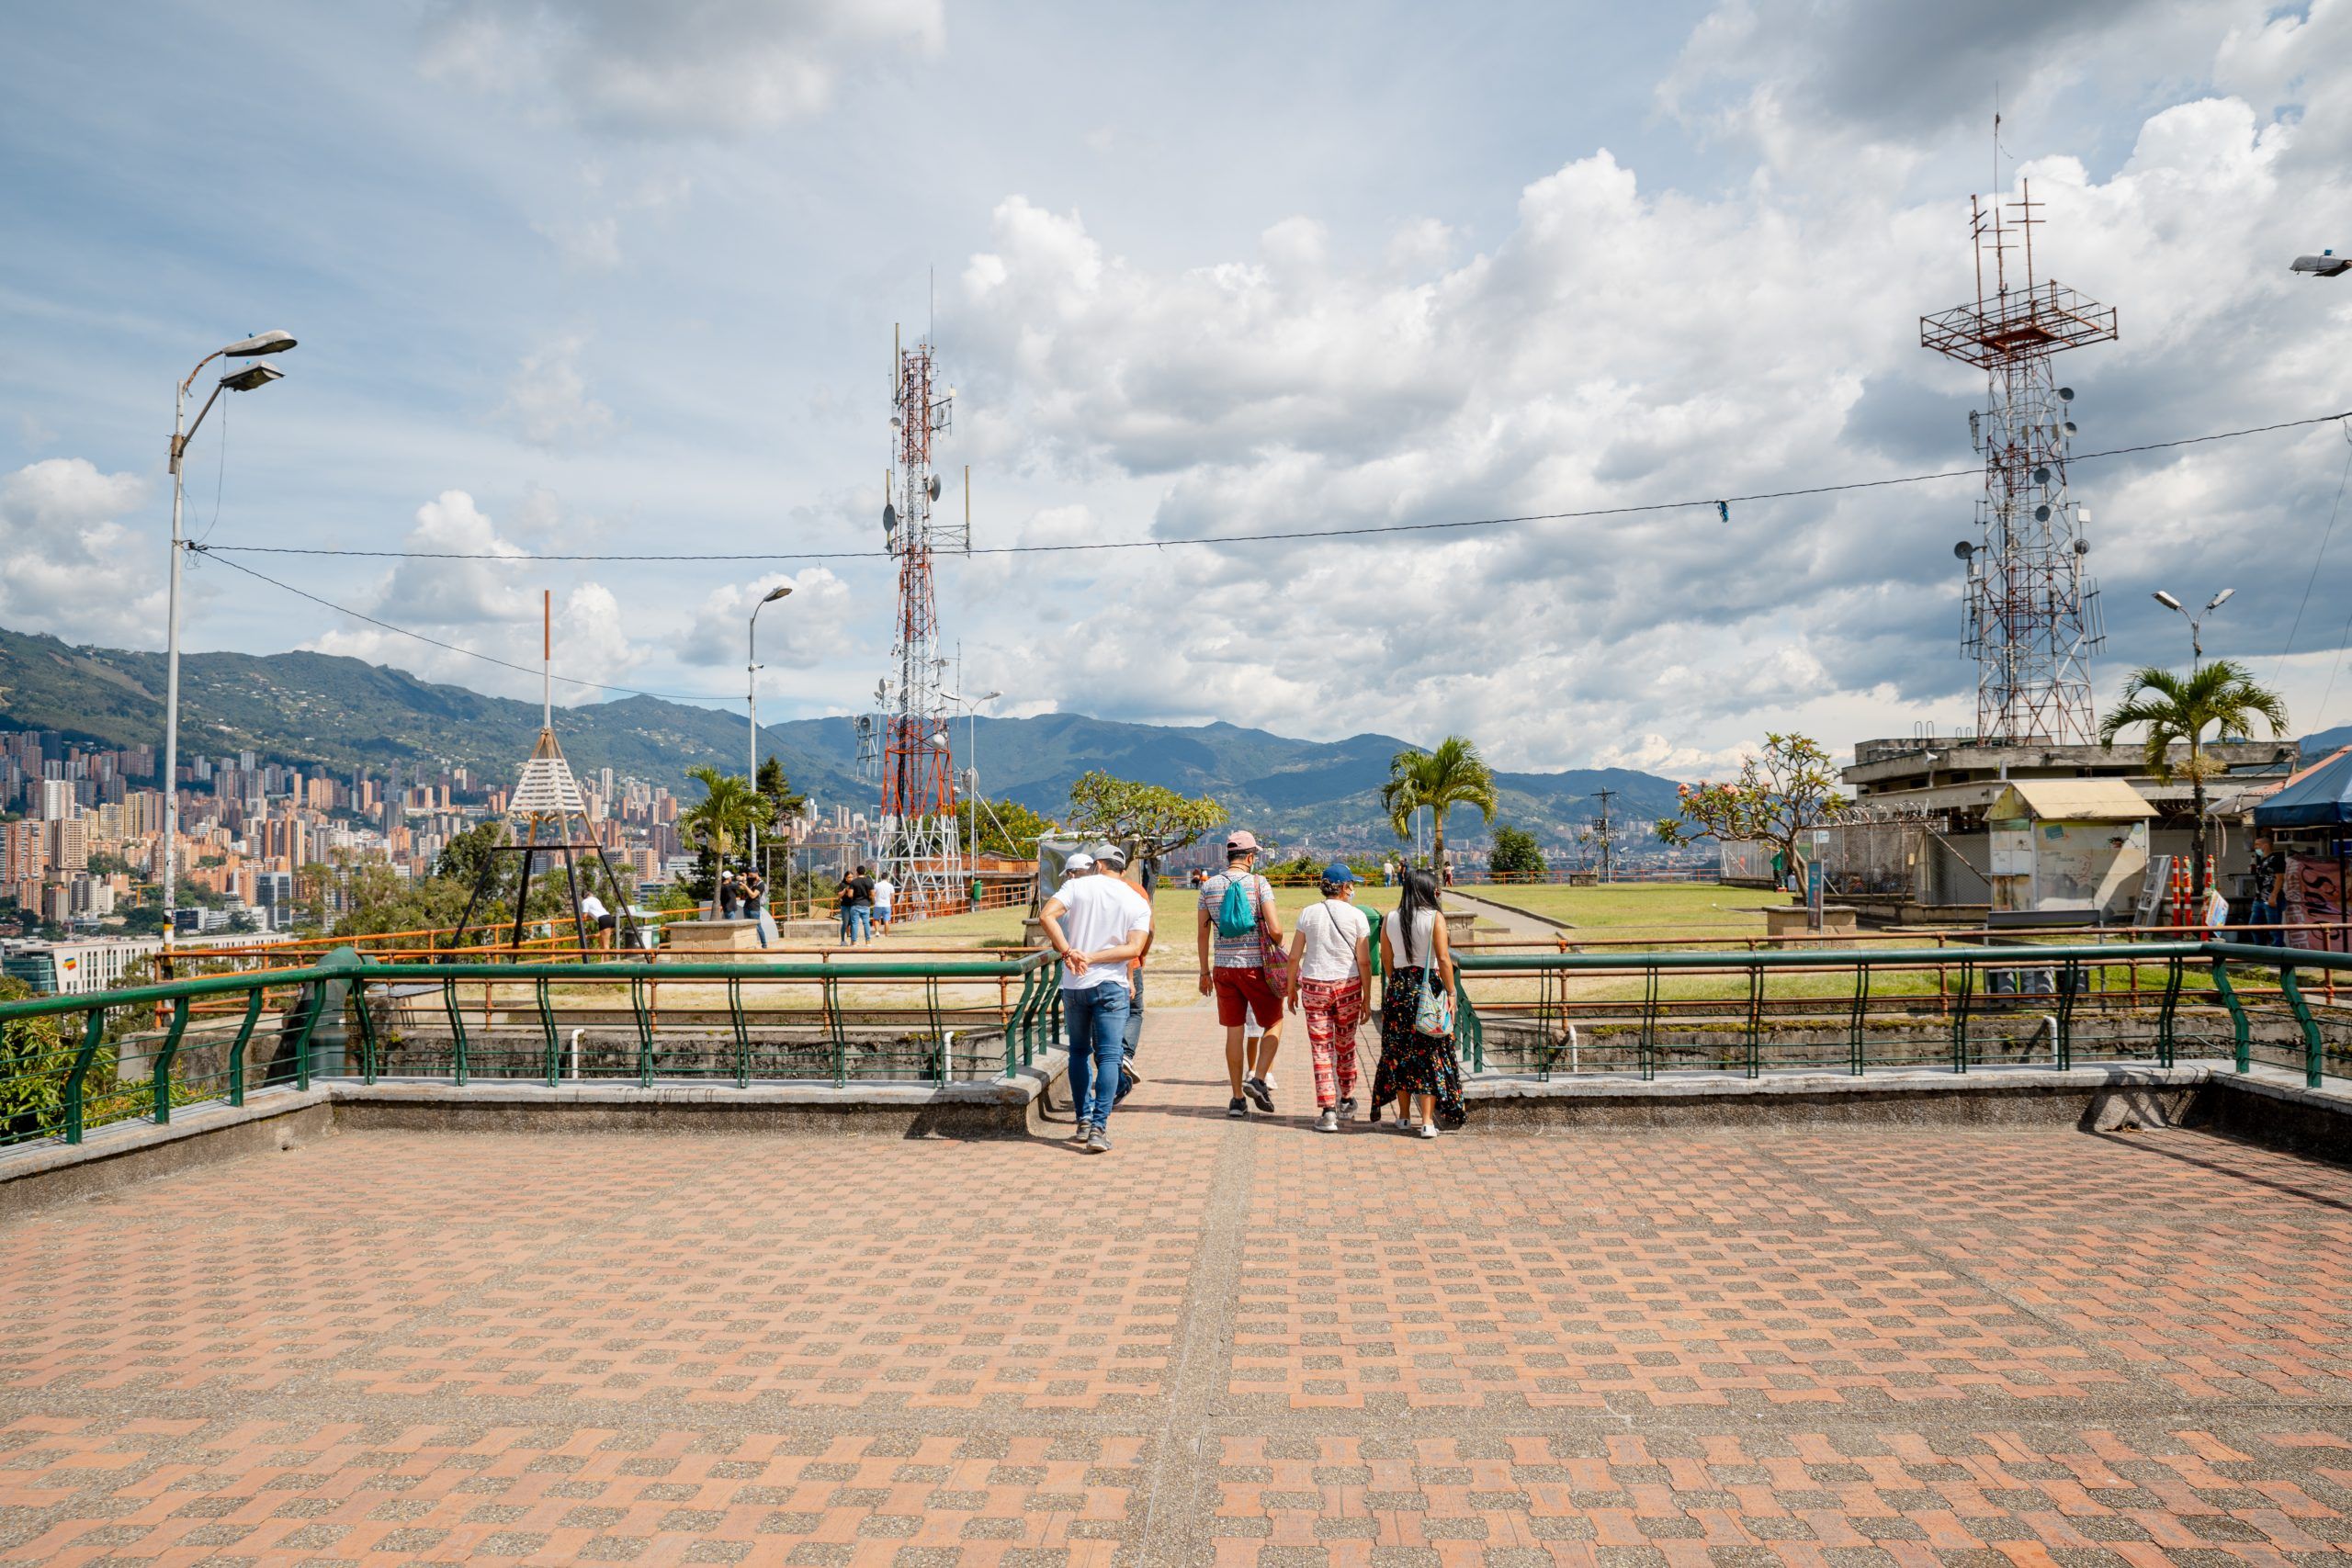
(1338, 872)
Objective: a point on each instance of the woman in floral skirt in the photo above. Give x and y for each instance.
(1413, 1064)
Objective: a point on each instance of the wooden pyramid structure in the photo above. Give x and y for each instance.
(549, 815)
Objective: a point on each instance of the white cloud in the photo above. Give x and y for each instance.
(720, 68)
(1620, 344)
(547, 399)
(68, 565)
(796, 633)
(479, 607)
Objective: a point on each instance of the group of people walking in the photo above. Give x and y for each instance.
(1323, 972)
(864, 902)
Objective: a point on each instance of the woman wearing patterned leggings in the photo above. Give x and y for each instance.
(1330, 957)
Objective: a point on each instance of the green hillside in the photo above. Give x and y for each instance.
(344, 713)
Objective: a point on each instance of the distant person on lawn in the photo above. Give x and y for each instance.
(1240, 937)
(885, 890)
(1331, 966)
(859, 925)
(1100, 925)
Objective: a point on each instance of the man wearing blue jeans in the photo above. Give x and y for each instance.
(1099, 925)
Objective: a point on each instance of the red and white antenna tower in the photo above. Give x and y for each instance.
(916, 841)
(2032, 612)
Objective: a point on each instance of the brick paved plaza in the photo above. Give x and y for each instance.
(1228, 1343)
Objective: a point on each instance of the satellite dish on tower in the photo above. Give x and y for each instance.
(934, 487)
(889, 518)
(1963, 550)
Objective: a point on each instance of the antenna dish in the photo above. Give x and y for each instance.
(889, 518)
(2082, 546)
(1963, 550)
(2066, 394)
(2070, 427)
(2041, 514)
(934, 487)
(2041, 476)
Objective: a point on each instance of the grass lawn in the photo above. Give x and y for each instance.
(1171, 914)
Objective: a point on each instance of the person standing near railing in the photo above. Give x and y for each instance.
(2270, 876)
(1417, 1058)
(857, 921)
(1100, 926)
(1331, 966)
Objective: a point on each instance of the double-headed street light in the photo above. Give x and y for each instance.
(752, 648)
(2197, 621)
(242, 380)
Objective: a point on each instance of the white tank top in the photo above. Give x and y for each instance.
(1418, 945)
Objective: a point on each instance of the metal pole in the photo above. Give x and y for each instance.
(752, 666)
(172, 678)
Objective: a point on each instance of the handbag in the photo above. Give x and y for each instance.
(1434, 1015)
(1271, 955)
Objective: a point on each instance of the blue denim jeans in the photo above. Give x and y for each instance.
(859, 927)
(2262, 914)
(1095, 1017)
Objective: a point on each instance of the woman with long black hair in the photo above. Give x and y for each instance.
(1415, 1064)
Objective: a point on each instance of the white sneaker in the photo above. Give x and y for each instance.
(1328, 1122)
(1428, 1129)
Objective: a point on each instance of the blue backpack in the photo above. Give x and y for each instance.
(1237, 913)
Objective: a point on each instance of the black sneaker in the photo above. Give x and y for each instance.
(1100, 1144)
(1257, 1089)
(1237, 1108)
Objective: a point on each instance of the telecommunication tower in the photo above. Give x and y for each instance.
(916, 841)
(2033, 618)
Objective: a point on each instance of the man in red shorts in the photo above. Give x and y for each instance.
(1237, 931)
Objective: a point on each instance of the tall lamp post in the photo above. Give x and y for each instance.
(243, 380)
(751, 664)
(2196, 622)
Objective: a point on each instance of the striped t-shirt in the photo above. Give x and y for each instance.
(1236, 952)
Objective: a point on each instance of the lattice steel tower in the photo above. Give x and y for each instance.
(916, 841)
(2032, 612)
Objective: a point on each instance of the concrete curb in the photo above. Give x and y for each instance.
(2092, 1098)
(282, 1119)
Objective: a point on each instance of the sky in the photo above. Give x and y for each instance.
(602, 279)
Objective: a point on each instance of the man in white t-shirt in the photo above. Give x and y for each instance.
(884, 891)
(1099, 925)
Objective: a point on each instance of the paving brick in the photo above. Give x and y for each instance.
(1247, 1344)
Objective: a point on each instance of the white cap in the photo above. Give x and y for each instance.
(1081, 862)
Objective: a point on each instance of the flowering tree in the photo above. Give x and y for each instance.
(1781, 792)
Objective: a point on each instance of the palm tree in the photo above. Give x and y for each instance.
(1453, 774)
(2219, 696)
(728, 810)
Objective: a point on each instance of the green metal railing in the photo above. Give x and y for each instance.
(72, 1064)
(1747, 1014)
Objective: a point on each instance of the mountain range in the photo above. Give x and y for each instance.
(314, 708)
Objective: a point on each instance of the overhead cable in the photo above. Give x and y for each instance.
(469, 653)
(1720, 505)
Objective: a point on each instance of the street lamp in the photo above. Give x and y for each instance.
(242, 380)
(751, 664)
(2196, 622)
(2327, 263)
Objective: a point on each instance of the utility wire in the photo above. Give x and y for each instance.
(2317, 560)
(453, 648)
(1719, 502)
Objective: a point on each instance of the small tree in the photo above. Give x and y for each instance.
(783, 799)
(1781, 792)
(1154, 818)
(1516, 853)
(1011, 829)
(2219, 696)
(1453, 774)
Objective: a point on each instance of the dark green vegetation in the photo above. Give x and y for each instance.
(311, 707)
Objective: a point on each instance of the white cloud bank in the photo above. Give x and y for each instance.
(1620, 344)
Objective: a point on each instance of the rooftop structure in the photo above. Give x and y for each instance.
(2032, 614)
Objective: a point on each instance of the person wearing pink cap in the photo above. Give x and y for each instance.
(1239, 926)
